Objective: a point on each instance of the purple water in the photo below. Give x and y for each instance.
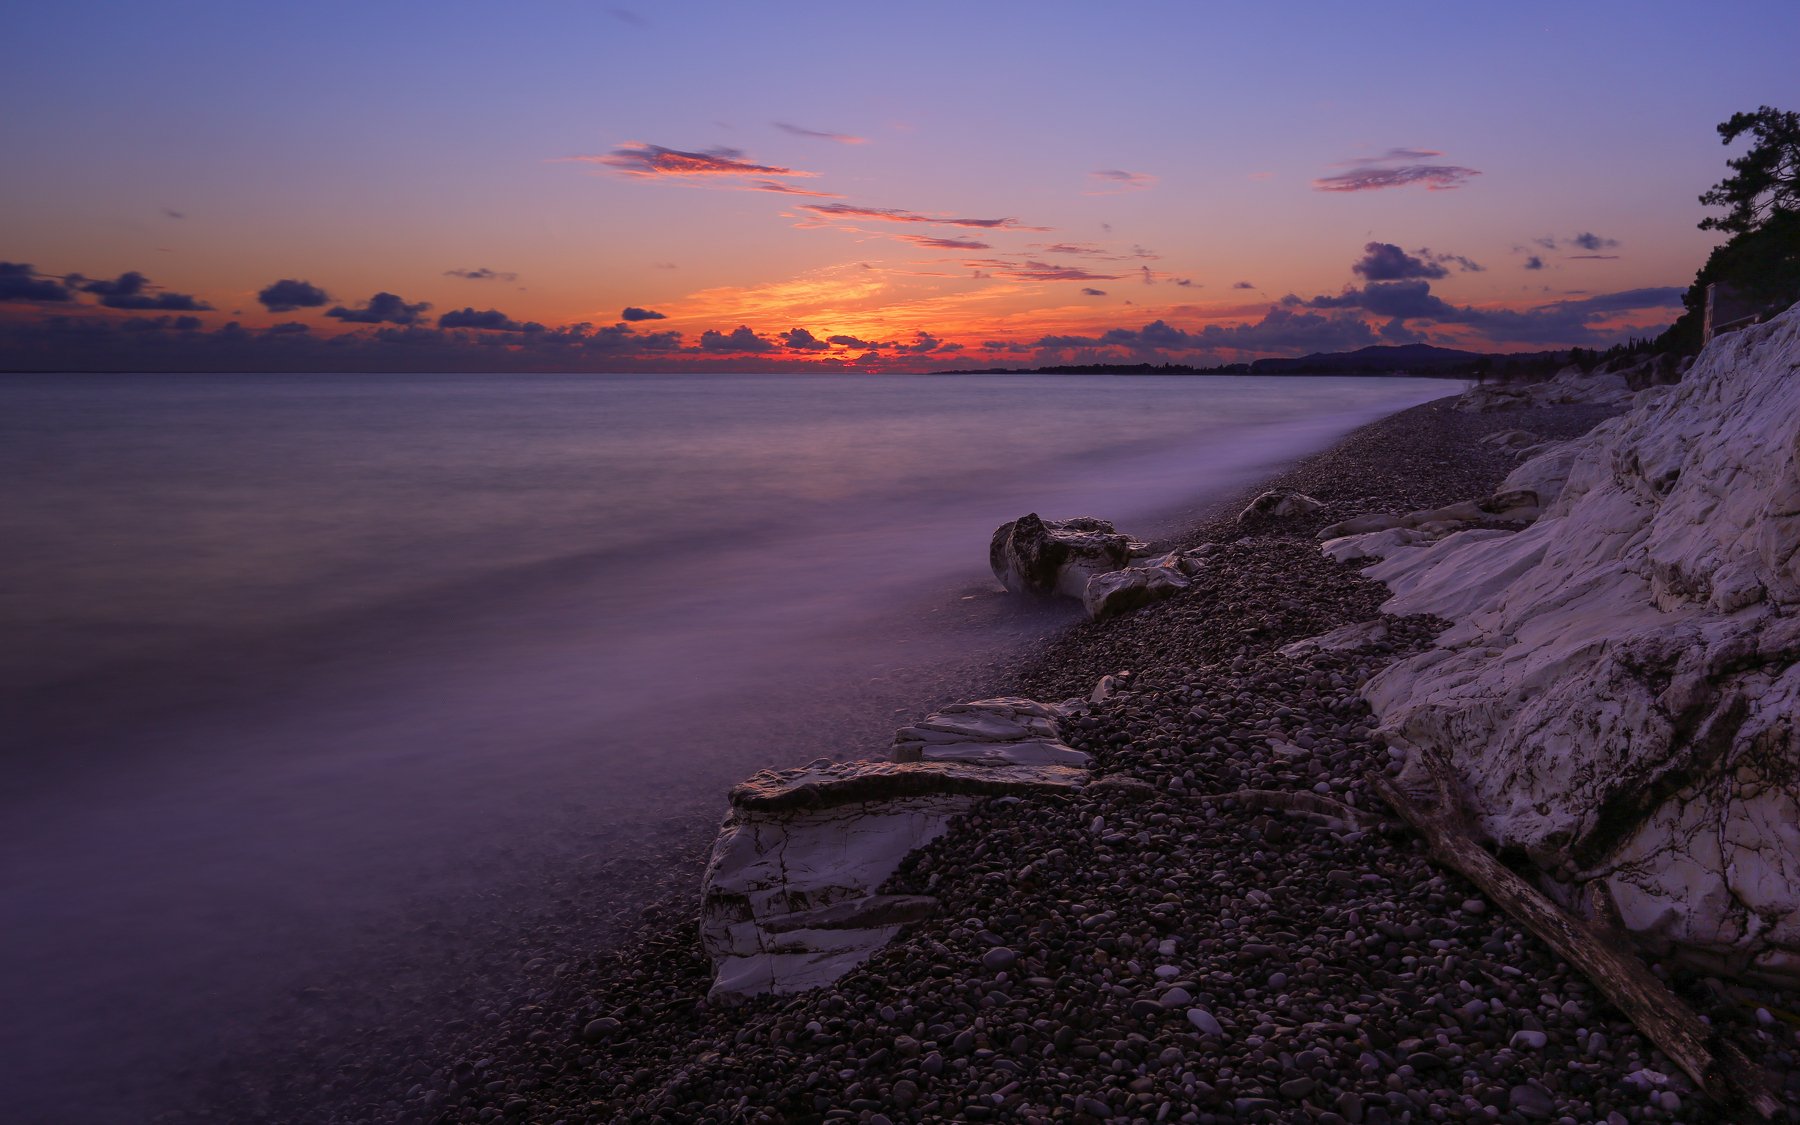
(297, 668)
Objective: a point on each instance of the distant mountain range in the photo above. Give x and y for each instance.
(1379, 359)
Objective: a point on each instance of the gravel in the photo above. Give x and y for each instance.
(1171, 953)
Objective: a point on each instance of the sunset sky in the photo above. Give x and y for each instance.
(745, 186)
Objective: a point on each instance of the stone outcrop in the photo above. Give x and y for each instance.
(791, 898)
(1045, 557)
(1570, 385)
(1279, 503)
(1378, 534)
(1088, 560)
(1619, 694)
(1121, 591)
(996, 732)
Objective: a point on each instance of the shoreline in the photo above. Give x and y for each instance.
(624, 1034)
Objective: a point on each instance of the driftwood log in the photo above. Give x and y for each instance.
(1718, 1067)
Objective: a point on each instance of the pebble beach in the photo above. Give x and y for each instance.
(1188, 941)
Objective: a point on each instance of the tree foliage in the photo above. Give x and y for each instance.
(1765, 180)
(1761, 260)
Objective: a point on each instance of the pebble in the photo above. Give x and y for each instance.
(1203, 1020)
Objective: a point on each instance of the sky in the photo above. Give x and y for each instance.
(742, 186)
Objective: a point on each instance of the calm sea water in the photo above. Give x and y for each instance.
(293, 663)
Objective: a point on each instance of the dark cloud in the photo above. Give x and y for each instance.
(740, 339)
(925, 342)
(164, 342)
(1592, 257)
(1184, 282)
(634, 313)
(1561, 322)
(1466, 265)
(1590, 241)
(1383, 261)
(287, 295)
(1093, 292)
(820, 135)
(800, 340)
(1534, 263)
(1547, 242)
(1242, 285)
(853, 342)
(171, 213)
(1280, 330)
(139, 324)
(131, 291)
(492, 320)
(897, 215)
(19, 282)
(383, 308)
(1435, 177)
(655, 161)
(483, 274)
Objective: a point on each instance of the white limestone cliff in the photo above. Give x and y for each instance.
(1618, 690)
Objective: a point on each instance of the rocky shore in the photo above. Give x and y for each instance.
(1235, 929)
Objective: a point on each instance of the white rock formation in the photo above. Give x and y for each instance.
(1121, 591)
(1619, 691)
(1570, 385)
(790, 896)
(1379, 534)
(990, 732)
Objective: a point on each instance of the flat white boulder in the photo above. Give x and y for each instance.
(990, 732)
(1619, 691)
(791, 895)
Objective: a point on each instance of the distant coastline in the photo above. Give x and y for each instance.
(1394, 359)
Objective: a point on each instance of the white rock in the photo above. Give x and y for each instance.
(1570, 385)
(991, 732)
(1346, 638)
(1279, 503)
(1031, 555)
(789, 900)
(1121, 591)
(1361, 525)
(1373, 544)
(1619, 690)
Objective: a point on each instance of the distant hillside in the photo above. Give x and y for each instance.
(1376, 358)
(1408, 359)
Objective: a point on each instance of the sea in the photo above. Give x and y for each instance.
(316, 691)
